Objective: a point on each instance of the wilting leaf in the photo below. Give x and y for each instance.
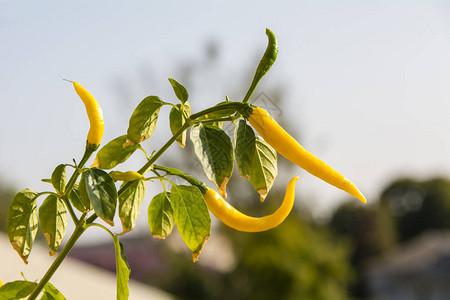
(53, 221)
(192, 217)
(214, 149)
(22, 223)
(177, 118)
(113, 153)
(160, 216)
(130, 202)
(256, 160)
(59, 178)
(122, 270)
(143, 120)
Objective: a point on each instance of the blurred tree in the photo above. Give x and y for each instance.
(297, 260)
(418, 205)
(187, 280)
(372, 229)
(372, 232)
(6, 196)
(407, 207)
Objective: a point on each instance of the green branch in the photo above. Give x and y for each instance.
(82, 224)
(81, 227)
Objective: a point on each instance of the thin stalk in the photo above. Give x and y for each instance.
(181, 174)
(206, 121)
(73, 179)
(71, 211)
(251, 90)
(81, 227)
(231, 105)
(70, 184)
(46, 193)
(102, 227)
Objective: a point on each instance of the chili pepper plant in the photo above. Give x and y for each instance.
(88, 194)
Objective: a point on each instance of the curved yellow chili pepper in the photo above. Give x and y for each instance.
(222, 210)
(125, 176)
(94, 113)
(287, 146)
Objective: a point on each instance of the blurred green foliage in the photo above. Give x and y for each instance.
(371, 229)
(297, 260)
(418, 205)
(406, 208)
(6, 196)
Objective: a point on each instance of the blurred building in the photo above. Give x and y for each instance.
(74, 278)
(144, 257)
(418, 270)
(151, 260)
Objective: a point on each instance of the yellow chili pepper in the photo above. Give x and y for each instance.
(288, 147)
(94, 113)
(222, 210)
(1, 283)
(125, 176)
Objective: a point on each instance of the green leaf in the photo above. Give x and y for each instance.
(160, 216)
(122, 270)
(51, 293)
(98, 188)
(53, 221)
(59, 178)
(17, 290)
(130, 202)
(214, 149)
(22, 223)
(84, 197)
(143, 120)
(180, 91)
(256, 160)
(177, 118)
(192, 217)
(113, 153)
(75, 200)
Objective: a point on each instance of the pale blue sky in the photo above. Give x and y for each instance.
(366, 82)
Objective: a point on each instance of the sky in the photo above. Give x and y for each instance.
(364, 83)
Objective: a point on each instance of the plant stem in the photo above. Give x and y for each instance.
(163, 149)
(74, 177)
(71, 211)
(71, 183)
(81, 227)
(250, 90)
(231, 119)
(172, 171)
(239, 106)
